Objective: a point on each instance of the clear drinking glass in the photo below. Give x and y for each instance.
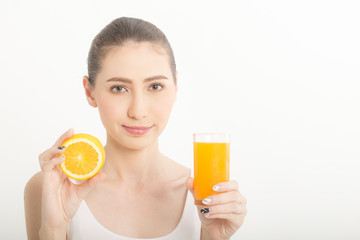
(211, 163)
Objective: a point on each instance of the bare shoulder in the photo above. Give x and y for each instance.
(33, 186)
(177, 174)
(32, 204)
(178, 169)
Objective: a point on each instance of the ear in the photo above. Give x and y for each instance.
(176, 80)
(89, 92)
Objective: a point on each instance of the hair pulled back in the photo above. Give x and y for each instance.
(120, 31)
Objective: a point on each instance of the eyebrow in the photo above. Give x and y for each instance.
(127, 80)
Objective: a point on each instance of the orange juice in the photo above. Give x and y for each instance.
(211, 166)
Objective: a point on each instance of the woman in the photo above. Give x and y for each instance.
(139, 193)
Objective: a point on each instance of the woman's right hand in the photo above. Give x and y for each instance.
(60, 197)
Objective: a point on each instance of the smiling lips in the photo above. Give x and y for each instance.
(136, 130)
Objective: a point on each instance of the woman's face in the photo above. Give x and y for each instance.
(134, 92)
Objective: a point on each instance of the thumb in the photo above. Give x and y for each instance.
(85, 187)
(190, 185)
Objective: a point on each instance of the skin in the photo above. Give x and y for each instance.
(135, 87)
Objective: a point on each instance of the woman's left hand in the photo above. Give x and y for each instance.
(222, 214)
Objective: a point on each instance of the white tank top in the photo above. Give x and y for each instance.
(84, 226)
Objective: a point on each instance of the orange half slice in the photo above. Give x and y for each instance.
(84, 156)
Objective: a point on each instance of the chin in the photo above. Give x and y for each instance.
(133, 142)
(139, 143)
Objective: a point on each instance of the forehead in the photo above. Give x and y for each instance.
(135, 60)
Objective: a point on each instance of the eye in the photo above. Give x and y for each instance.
(156, 87)
(118, 89)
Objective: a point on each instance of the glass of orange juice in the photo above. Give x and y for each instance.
(211, 163)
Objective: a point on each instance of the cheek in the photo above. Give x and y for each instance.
(109, 109)
(164, 106)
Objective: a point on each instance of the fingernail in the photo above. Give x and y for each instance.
(204, 210)
(61, 147)
(216, 188)
(206, 201)
(62, 157)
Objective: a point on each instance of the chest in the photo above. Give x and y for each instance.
(141, 215)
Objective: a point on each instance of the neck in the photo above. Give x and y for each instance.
(132, 166)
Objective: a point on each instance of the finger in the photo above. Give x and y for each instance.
(223, 198)
(234, 218)
(49, 165)
(230, 208)
(226, 186)
(190, 185)
(63, 137)
(50, 153)
(84, 188)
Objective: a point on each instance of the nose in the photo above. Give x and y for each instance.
(137, 107)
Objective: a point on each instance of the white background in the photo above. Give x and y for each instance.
(281, 76)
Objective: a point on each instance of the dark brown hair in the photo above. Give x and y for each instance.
(120, 31)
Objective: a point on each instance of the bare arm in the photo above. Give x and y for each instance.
(32, 202)
(33, 205)
(51, 199)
